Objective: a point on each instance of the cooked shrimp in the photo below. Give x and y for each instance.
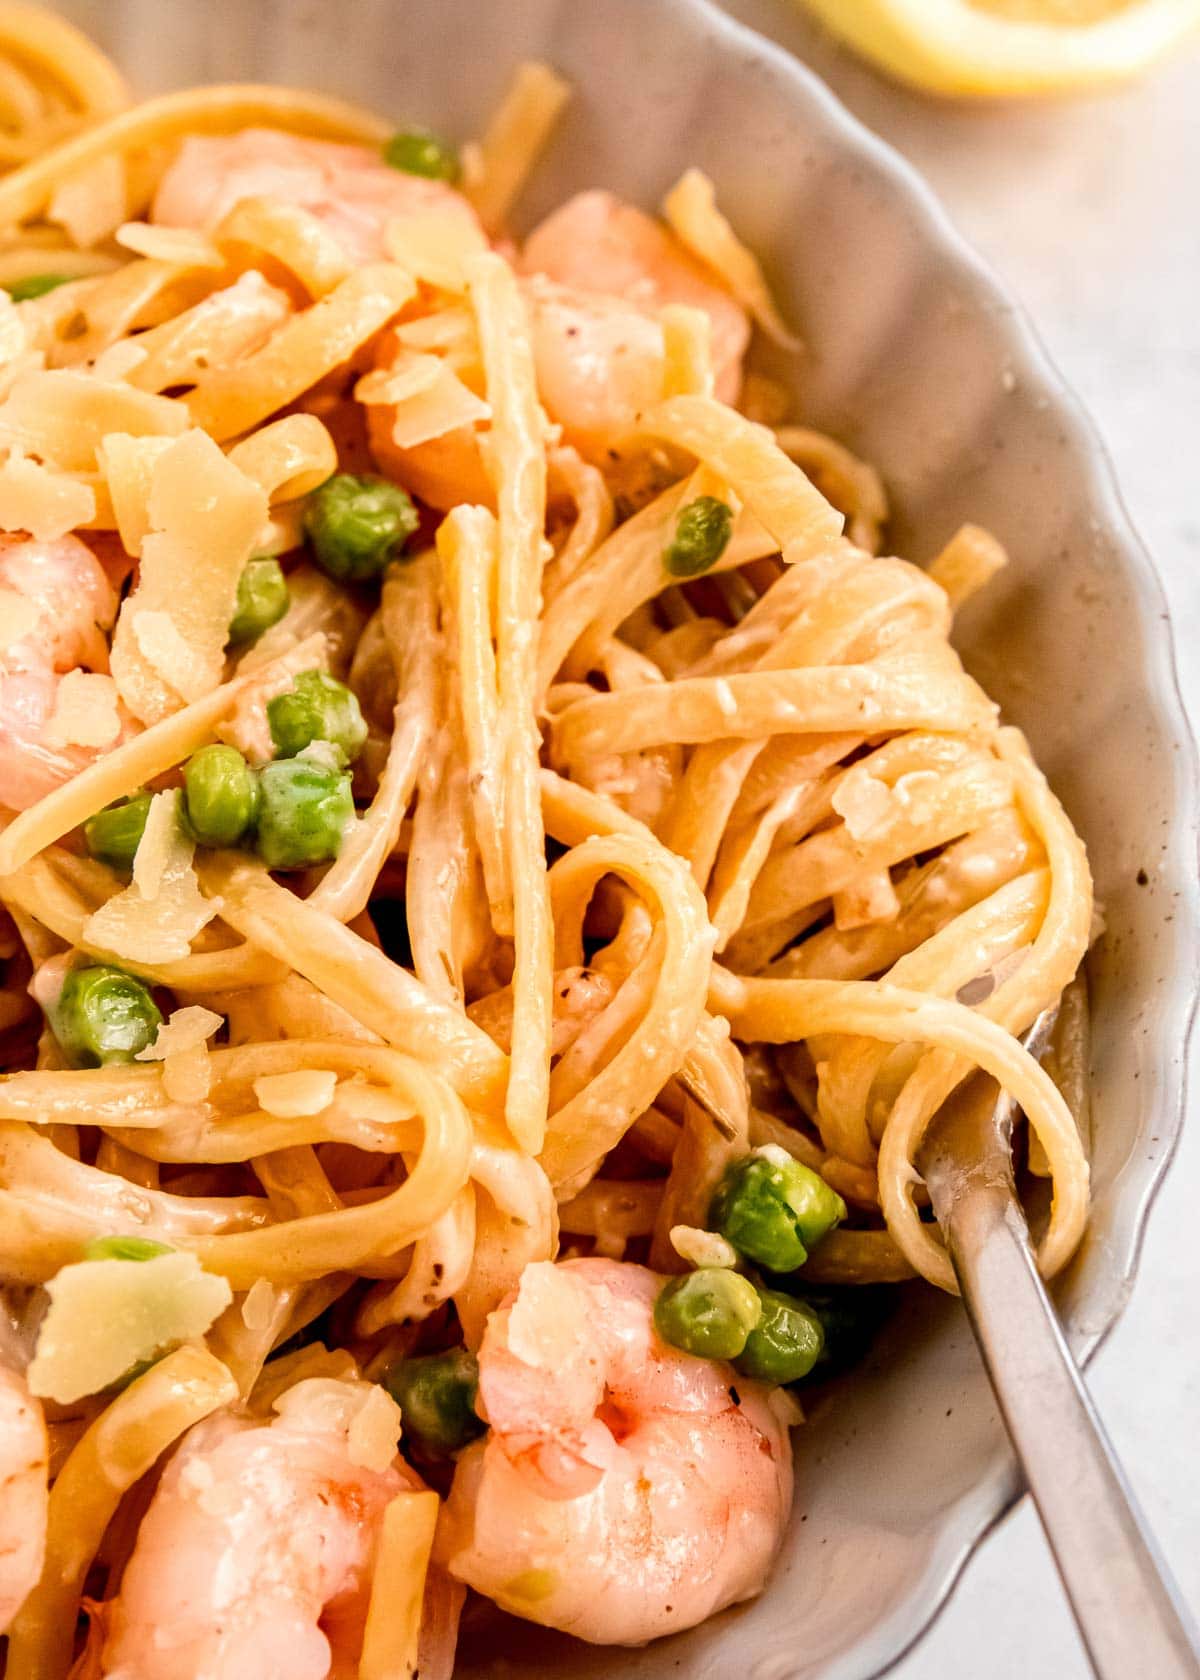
(72, 604)
(606, 270)
(598, 272)
(254, 1558)
(349, 189)
(23, 1493)
(624, 1490)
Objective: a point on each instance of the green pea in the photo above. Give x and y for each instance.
(709, 1312)
(103, 1015)
(786, 1342)
(124, 1248)
(355, 525)
(114, 834)
(303, 813)
(316, 708)
(702, 532)
(262, 600)
(436, 1396)
(417, 151)
(35, 286)
(773, 1209)
(220, 795)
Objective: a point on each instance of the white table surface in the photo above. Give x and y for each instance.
(1088, 210)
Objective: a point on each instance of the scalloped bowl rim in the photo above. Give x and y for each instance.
(842, 128)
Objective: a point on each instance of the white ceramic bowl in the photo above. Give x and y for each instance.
(917, 359)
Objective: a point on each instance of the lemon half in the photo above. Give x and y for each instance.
(990, 47)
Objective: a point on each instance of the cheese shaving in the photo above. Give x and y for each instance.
(184, 246)
(692, 215)
(128, 464)
(156, 917)
(294, 1096)
(179, 665)
(432, 245)
(363, 1412)
(702, 1248)
(85, 711)
(63, 416)
(430, 399)
(184, 1029)
(204, 517)
(863, 802)
(374, 1431)
(44, 503)
(161, 844)
(106, 1316)
(187, 1075)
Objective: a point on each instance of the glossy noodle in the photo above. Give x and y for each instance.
(500, 867)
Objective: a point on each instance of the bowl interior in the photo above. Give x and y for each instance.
(915, 358)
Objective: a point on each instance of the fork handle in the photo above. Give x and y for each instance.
(1128, 1610)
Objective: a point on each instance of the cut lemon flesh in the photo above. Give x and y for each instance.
(990, 47)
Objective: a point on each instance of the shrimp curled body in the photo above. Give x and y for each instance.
(70, 604)
(624, 1490)
(24, 1498)
(255, 1556)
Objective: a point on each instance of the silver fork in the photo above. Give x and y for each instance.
(1130, 1616)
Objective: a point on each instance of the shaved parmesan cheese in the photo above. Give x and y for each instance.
(374, 1430)
(408, 376)
(432, 245)
(19, 617)
(156, 917)
(364, 1412)
(179, 665)
(283, 531)
(187, 1075)
(185, 246)
(691, 212)
(62, 416)
(450, 332)
(161, 843)
(91, 204)
(184, 1029)
(42, 502)
(205, 516)
(85, 711)
(863, 802)
(429, 397)
(107, 1316)
(128, 464)
(293, 1096)
(702, 1248)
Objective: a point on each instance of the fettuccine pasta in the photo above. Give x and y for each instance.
(500, 867)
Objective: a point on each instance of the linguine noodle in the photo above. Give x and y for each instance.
(644, 872)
